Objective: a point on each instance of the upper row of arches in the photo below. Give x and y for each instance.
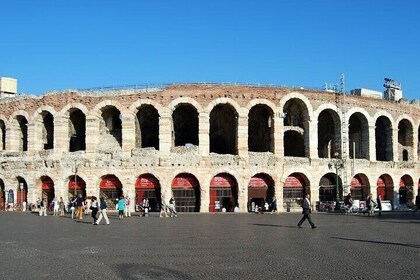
(394, 139)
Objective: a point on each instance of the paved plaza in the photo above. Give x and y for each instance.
(211, 246)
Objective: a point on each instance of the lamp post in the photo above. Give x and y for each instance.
(338, 164)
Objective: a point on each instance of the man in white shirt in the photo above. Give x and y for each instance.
(306, 205)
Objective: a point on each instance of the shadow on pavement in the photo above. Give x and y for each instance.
(378, 242)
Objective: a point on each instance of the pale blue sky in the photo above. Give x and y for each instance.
(57, 44)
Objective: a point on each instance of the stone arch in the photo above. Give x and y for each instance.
(3, 129)
(186, 191)
(259, 101)
(330, 190)
(224, 129)
(360, 187)
(295, 187)
(261, 129)
(111, 188)
(148, 192)
(224, 100)
(385, 187)
(383, 138)
(184, 100)
(406, 190)
(405, 139)
(147, 122)
(358, 133)
(185, 124)
(110, 127)
(297, 95)
(329, 133)
(223, 193)
(76, 128)
(44, 127)
(261, 190)
(19, 122)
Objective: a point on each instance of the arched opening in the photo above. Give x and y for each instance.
(359, 187)
(110, 127)
(76, 186)
(223, 193)
(328, 194)
(148, 188)
(261, 129)
(223, 130)
(111, 189)
(294, 145)
(296, 128)
(328, 134)
(385, 187)
(405, 140)
(48, 191)
(406, 193)
(2, 195)
(47, 130)
(23, 133)
(2, 136)
(77, 131)
(185, 125)
(186, 192)
(147, 127)
(21, 193)
(295, 189)
(359, 136)
(383, 139)
(260, 191)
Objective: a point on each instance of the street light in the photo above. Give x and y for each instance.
(338, 164)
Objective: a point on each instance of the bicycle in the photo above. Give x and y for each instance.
(353, 209)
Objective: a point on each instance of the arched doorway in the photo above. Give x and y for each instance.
(22, 193)
(76, 186)
(260, 190)
(405, 192)
(385, 187)
(223, 193)
(186, 192)
(111, 189)
(48, 192)
(148, 187)
(295, 189)
(359, 187)
(328, 194)
(2, 195)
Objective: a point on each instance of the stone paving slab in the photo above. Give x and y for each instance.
(211, 246)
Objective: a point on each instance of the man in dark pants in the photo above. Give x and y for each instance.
(306, 205)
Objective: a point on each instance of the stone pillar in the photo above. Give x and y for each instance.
(165, 134)
(279, 195)
(242, 136)
(314, 192)
(203, 134)
(395, 150)
(12, 141)
(34, 137)
(312, 139)
(372, 144)
(415, 146)
(92, 134)
(278, 136)
(61, 134)
(128, 134)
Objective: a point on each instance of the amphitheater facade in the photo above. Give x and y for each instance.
(212, 147)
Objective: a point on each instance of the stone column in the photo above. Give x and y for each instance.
(61, 134)
(314, 192)
(34, 137)
(165, 134)
(395, 150)
(92, 134)
(242, 144)
(12, 141)
(278, 136)
(128, 134)
(203, 134)
(313, 139)
(372, 144)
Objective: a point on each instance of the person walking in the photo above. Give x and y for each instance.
(163, 209)
(55, 207)
(172, 207)
(379, 203)
(94, 206)
(79, 207)
(306, 211)
(274, 205)
(61, 206)
(121, 207)
(102, 211)
(43, 206)
(417, 205)
(127, 206)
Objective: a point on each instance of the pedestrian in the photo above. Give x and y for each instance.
(94, 206)
(172, 207)
(127, 206)
(72, 205)
(370, 205)
(379, 203)
(43, 206)
(86, 206)
(102, 211)
(306, 211)
(55, 207)
(417, 205)
(274, 205)
(163, 209)
(61, 206)
(79, 206)
(121, 207)
(145, 207)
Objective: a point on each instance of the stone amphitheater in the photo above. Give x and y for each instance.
(213, 147)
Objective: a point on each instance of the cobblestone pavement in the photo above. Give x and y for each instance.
(211, 246)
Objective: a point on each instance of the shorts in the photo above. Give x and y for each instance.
(121, 212)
